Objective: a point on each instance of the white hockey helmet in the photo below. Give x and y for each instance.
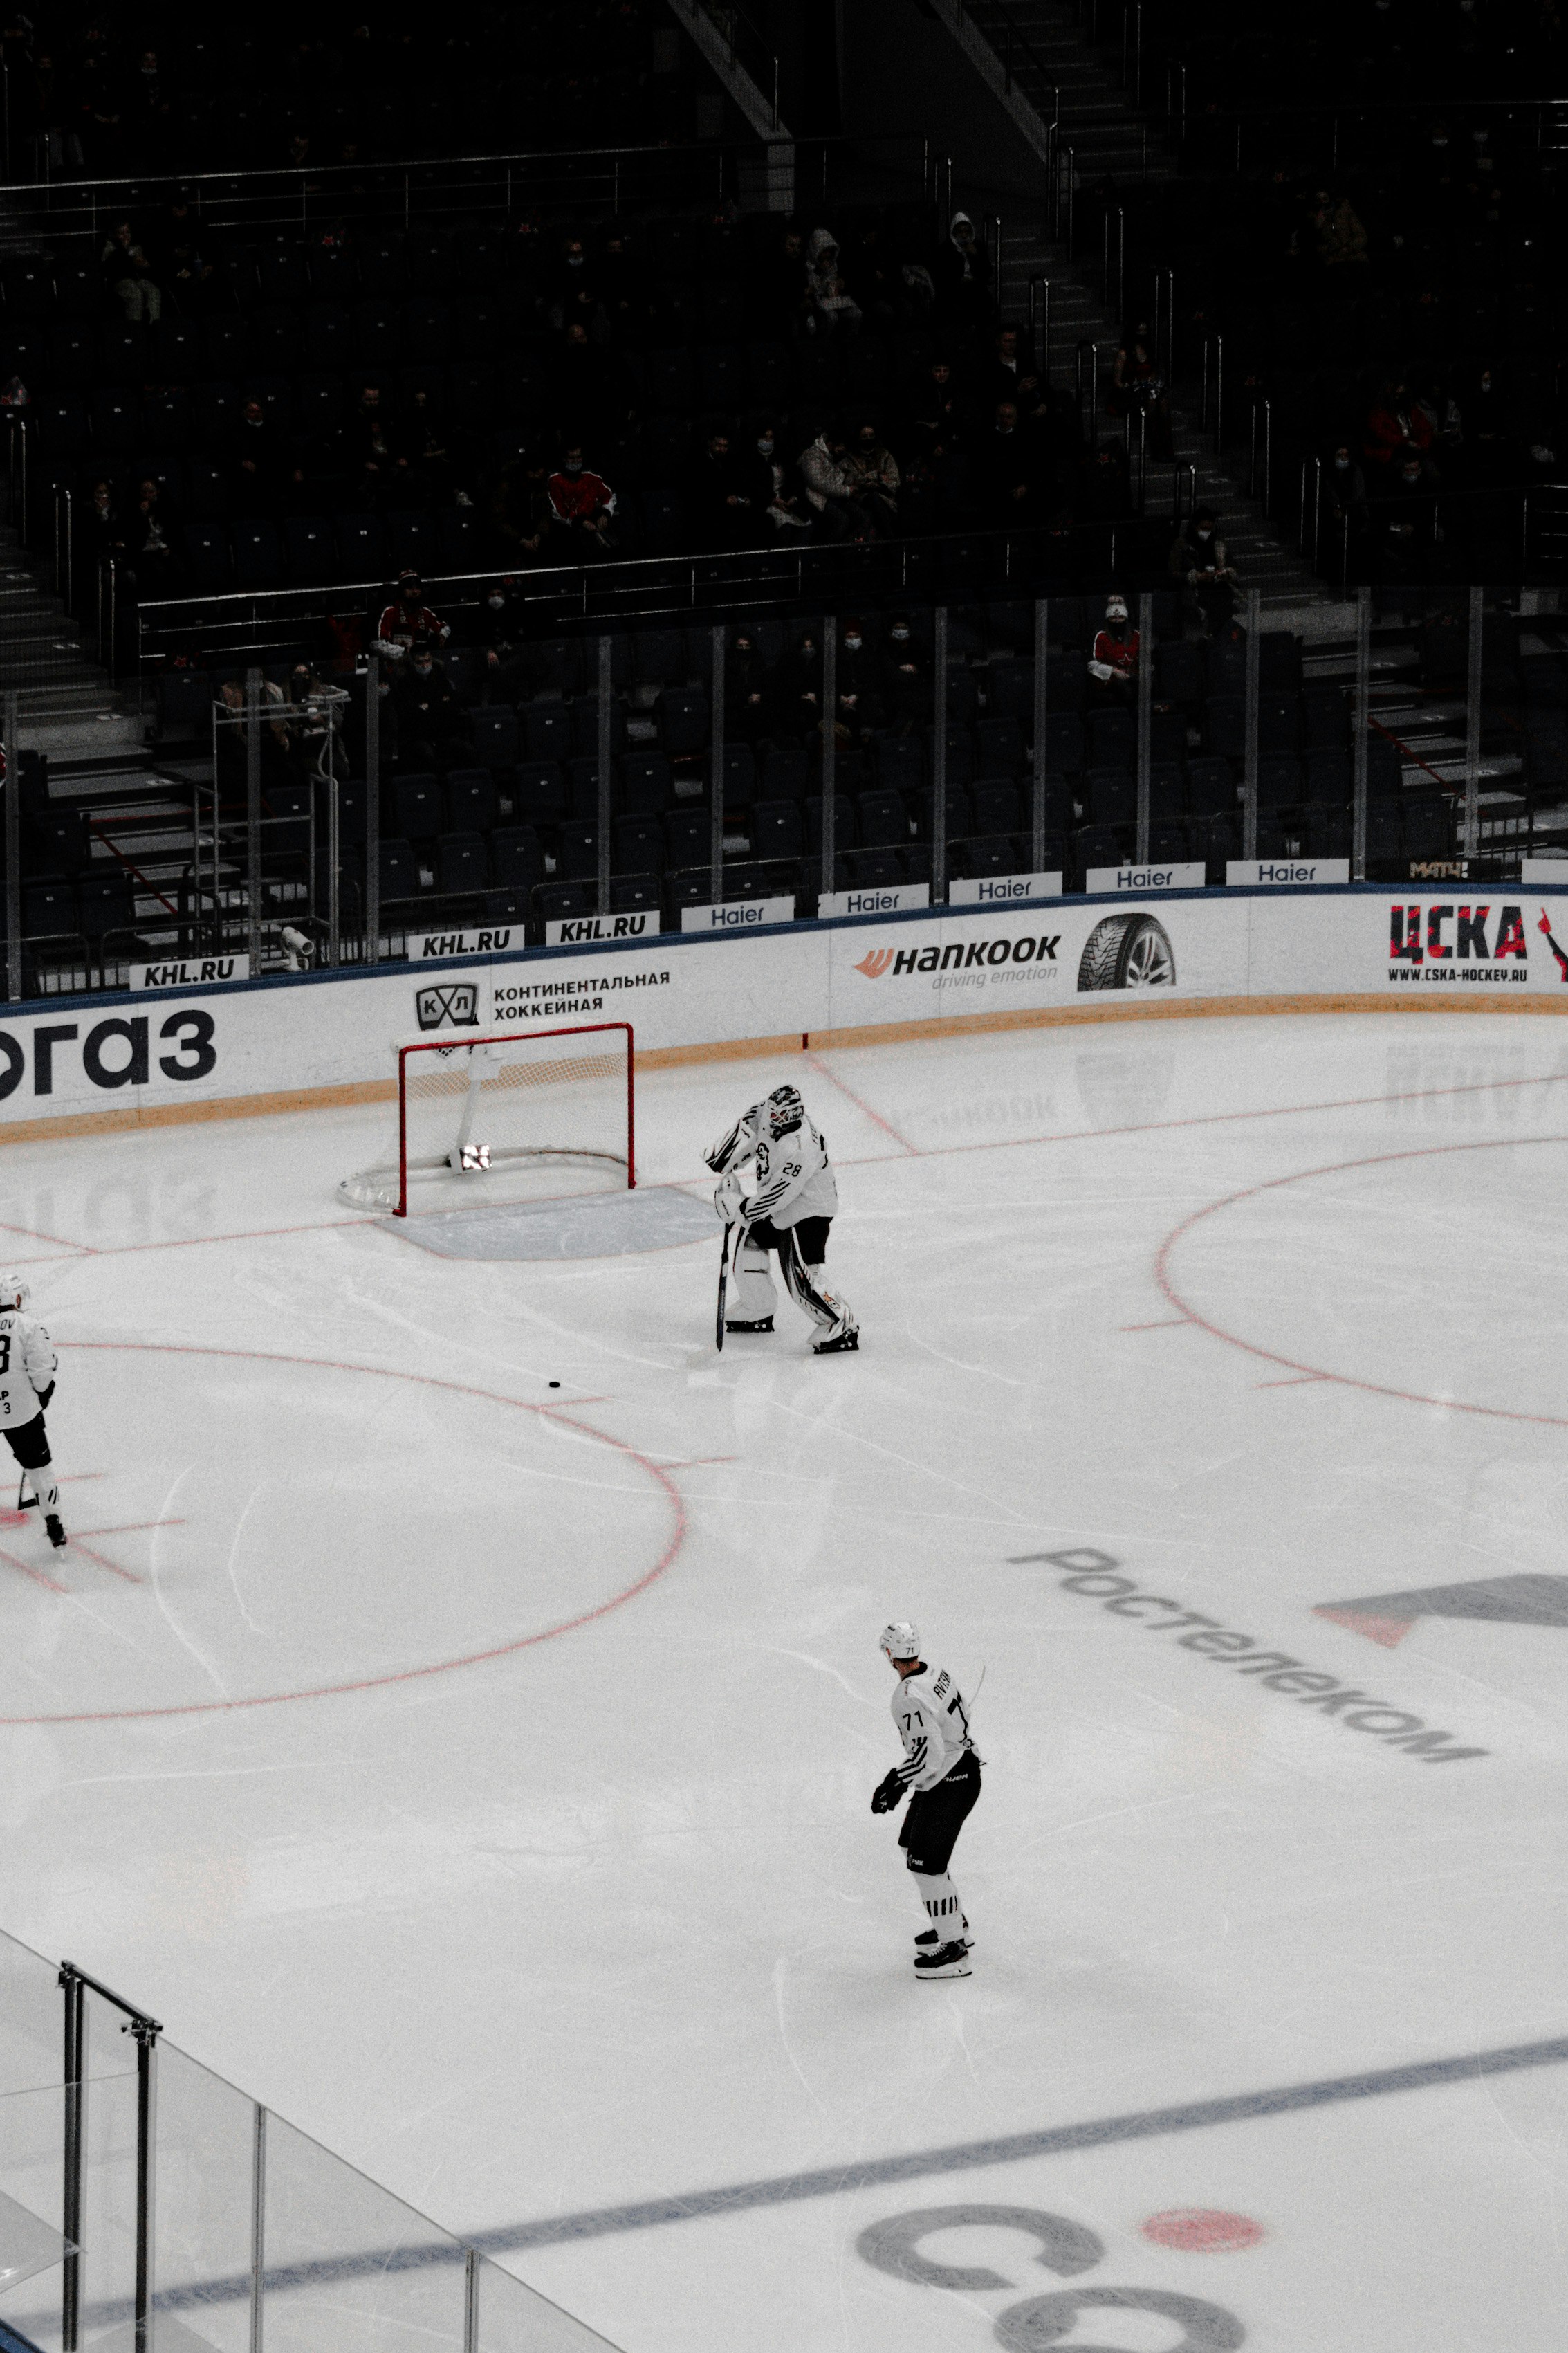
(13, 1291)
(901, 1640)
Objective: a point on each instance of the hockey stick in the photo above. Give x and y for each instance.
(723, 1287)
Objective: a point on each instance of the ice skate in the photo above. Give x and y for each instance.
(759, 1324)
(56, 1527)
(946, 1961)
(843, 1336)
(927, 1940)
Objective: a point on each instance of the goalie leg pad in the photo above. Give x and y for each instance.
(808, 1289)
(752, 1297)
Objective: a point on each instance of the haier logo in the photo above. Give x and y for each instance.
(456, 1007)
(1442, 940)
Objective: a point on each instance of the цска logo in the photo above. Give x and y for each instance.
(1437, 931)
(454, 1006)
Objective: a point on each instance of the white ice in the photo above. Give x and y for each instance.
(477, 1772)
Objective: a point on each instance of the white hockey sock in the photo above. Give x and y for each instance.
(943, 1909)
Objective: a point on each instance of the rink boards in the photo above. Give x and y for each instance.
(288, 1041)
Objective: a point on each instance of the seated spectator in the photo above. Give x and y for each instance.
(798, 703)
(130, 273)
(366, 450)
(1200, 561)
(786, 507)
(748, 692)
(1403, 522)
(830, 488)
(430, 723)
(152, 567)
(1341, 238)
(582, 511)
(102, 530)
(254, 462)
(995, 377)
(834, 310)
(520, 507)
(783, 294)
(1138, 389)
(873, 471)
(584, 382)
(1007, 473)
(1113, 657)
(231, 767)
(318, 746)
(906, 680)
(1396, 423)
(425, 456)
(719, 506)
(183, 256)
(407, 624)
(861, 709)
(964, 276)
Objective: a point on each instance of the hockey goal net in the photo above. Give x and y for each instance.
(497, 1115)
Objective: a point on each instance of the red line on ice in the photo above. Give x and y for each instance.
(402, 1674)
(1166, 1281)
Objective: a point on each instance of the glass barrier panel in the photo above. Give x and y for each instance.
(32, 2018)
(107, 2272)
(203, 2216)
(515, 2318)
(347, 2264)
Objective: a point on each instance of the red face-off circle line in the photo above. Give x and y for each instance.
(401, 1674)
(1190, 1314)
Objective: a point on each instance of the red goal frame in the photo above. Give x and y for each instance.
(444, 1040)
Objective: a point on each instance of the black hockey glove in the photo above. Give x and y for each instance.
(887, 1792)
(44, 1396)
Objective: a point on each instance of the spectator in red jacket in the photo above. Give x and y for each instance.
(407, 624)
(1113, 658)
(582, 511)
(1395, 424)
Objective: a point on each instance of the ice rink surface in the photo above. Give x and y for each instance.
(479, 1772)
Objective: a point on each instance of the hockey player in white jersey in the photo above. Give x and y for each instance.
(27, 1367)
(788, 1207)
(941, 1774)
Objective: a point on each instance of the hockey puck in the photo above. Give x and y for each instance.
(555, 1385)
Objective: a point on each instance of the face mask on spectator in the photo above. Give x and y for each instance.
(496, 604)
(853, 645)
(900, 636)
(765, 446)
(1204, 534)
(1342, 465)
(572, 466)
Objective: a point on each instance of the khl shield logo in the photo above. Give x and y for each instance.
(454, 1007)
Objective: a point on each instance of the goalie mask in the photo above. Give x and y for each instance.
(786, 1110)
(901, 1640)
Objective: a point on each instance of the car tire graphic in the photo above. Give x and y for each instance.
(1128, 952)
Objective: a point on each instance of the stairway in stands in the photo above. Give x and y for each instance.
(1108, 141)
(67, 704)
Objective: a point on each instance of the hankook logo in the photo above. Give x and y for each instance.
(962, 955)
